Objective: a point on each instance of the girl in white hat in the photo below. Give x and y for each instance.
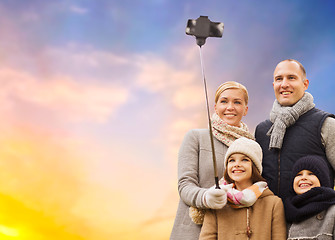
(252, 210)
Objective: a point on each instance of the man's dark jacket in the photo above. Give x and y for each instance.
(301, 139)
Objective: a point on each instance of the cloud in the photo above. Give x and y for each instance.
(86, 60)
(156, 74)
(52, 174)
(30, 17)
(82, 83)
(189, 97)
(42, 173)
(22, 222)
(101, 80)
(78, 10)
(62, 94)
(149, 72)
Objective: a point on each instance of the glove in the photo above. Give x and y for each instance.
(215, 198)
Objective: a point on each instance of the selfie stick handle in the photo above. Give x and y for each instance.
(210, 124)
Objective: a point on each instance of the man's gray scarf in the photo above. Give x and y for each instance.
(282, 117)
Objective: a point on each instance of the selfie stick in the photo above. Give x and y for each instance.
(210, 124)
(201, 29)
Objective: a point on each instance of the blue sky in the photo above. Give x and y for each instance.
(97, 96)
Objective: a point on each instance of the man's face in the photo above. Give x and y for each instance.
(289, 84)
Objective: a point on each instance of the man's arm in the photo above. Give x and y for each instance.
(328, 139)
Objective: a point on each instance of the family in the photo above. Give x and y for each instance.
(277, 183)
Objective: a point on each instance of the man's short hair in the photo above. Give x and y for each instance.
(300, 65)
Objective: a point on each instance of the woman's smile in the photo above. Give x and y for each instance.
(231, 106)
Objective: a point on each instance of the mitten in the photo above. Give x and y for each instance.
(215, 198)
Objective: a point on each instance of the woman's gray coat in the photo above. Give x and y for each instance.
(195, 175)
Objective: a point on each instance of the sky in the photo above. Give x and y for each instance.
(96, 97)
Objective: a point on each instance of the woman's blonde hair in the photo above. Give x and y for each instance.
(232, 85)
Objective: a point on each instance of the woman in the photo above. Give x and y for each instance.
(253, 211)
(195, 163)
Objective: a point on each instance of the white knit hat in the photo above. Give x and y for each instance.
(247, 147)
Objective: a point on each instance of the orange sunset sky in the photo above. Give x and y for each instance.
(96, 97)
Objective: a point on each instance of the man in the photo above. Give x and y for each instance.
(295, 128)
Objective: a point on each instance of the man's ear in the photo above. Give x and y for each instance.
(306, 84)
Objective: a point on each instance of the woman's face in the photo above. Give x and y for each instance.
(304, 181)
(231, 106)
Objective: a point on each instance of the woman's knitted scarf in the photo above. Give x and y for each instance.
(226, 133)
(308, 204)
(282, 117)
(246, 197)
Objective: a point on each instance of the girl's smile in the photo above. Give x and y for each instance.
(239, 168)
